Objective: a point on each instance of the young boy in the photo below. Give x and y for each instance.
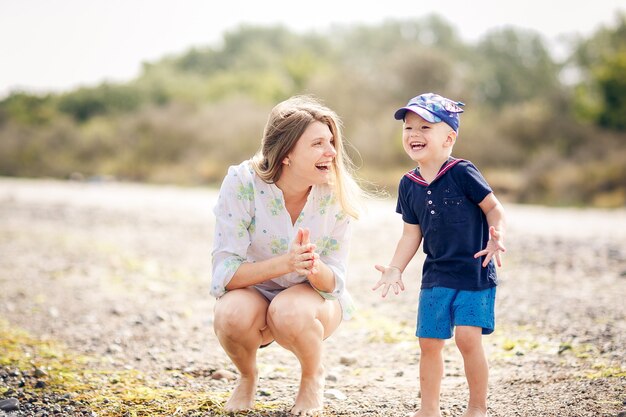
(448, 203)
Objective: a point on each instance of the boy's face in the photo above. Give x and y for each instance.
(424, 141)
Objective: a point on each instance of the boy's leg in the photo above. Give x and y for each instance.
(431, 373)
(474, 315)
(434, 325)
(469, 341)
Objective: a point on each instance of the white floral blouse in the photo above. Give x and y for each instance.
(252, 225)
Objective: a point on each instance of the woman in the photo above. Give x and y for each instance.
(281, 247)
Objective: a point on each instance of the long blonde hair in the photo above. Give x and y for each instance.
(285, 125)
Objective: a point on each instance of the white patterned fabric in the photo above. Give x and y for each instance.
(252, 225)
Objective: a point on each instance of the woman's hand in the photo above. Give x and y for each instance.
(391, 277)
(494, 247)
(302, 256)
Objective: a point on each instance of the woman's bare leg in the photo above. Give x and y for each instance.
(240, 326)
(300, 319)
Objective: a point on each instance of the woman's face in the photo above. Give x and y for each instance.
(311, 160)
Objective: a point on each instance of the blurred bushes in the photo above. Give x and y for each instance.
(538, 133)
(600, 62)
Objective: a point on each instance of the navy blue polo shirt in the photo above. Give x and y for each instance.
(453, 226)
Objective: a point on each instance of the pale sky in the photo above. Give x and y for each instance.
(57, 45)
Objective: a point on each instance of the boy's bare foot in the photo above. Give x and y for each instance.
(310, 399)
(475, 412)
(242, 397)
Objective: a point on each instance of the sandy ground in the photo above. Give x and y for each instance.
(122, 271)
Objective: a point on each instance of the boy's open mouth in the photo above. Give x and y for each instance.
(416, 146)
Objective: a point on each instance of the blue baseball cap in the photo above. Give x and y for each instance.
(434, 109)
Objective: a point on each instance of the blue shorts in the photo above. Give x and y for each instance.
(440, 309)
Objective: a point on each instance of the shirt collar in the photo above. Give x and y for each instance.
(415, 175)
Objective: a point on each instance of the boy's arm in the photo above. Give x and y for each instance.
(497, 224)
(408, 244)
(405, 250)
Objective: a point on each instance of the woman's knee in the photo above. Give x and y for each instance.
(288, 316)
(227, 317)
(237, 315)
(301, 309)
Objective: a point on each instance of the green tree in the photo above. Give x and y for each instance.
(513, 65)
(28, 109)
(601, 63)
(85, 103)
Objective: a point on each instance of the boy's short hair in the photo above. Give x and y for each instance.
(434, 109)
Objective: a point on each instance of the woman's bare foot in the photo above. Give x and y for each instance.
(310, 399)
(242, 397)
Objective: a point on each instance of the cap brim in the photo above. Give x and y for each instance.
(423, 113)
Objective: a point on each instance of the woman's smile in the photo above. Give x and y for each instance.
(324, 166)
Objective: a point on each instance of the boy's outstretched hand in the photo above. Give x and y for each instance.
(392, 277)
(494, 247)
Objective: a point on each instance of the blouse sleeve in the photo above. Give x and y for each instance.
(232, 222)
(334, 251)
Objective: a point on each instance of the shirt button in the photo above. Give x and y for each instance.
(432, 212)
(430, 201)
(429, 192)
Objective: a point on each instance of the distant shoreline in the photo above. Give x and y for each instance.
(126, 196)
